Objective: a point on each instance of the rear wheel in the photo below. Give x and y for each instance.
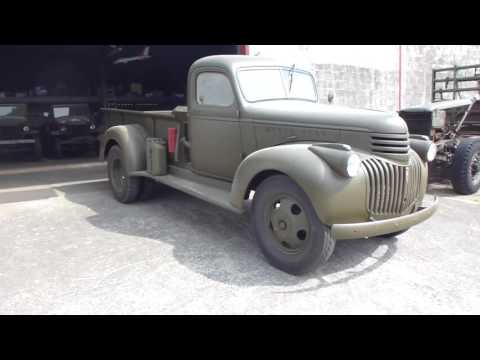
(466, 167)
(126, 189)
(287, 228)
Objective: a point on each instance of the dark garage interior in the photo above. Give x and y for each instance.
(91, 71)
(34, 79)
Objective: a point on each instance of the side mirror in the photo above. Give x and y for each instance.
(330, 96)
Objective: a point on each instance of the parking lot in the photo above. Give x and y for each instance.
(67, 247)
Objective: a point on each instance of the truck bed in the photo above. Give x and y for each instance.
(155, 123)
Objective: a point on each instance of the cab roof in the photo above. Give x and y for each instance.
(233, 62)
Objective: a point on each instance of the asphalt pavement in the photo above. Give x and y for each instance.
(67, 247)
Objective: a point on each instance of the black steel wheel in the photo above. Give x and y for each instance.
(287, 228)
(126, 189)
(466, 167)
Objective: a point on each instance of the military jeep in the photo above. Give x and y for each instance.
(71, 126)
(254, 131)
(20, 129)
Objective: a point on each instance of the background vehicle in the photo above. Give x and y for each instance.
(254, 128)
(20, 129)
(72, 126)
(453, 124)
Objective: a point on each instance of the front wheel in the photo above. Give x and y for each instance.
(466, 167)
(126, 189)
(287, 228)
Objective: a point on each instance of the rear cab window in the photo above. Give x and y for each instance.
(214, 89)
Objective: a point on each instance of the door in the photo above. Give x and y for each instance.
(216, 147)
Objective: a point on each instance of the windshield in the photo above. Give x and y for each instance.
(263, 84)
(70, 110)
(12, 110)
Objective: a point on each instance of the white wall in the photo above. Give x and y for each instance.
(368, 75)
(381, 57)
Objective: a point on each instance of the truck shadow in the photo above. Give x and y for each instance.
(218, 244)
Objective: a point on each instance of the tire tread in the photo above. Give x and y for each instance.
(460, 178)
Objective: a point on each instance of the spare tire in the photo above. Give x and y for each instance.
(466, 167)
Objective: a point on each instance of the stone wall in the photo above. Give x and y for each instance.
(355, 86)
(378, 89)
(419, 61)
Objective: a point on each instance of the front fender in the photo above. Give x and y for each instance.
(335, 198)
(132, 141)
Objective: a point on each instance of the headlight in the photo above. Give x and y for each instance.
(353, 165)
(439, 118)
(423, 147)
(26, 129)
(340, 157)
(432, 152)
(92, 127)
(63, 129)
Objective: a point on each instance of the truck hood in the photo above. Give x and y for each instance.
(307, 114)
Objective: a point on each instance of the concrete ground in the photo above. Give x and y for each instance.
(67, 247)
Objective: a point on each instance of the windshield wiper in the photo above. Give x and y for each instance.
(290, 78)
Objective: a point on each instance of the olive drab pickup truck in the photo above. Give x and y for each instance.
(253, 129)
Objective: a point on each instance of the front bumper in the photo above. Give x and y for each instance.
(383, 227)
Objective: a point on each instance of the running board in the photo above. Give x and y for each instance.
(214, 191)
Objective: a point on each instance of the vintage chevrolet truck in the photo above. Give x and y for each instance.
(254, 130)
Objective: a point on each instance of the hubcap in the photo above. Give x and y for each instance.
(475, 168)
(288, 224)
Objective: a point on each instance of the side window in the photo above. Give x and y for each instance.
(214, 89)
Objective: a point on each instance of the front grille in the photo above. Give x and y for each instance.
(392, 189)
(389, 143)
(11, 132)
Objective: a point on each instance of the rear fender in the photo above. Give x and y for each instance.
(132, 141)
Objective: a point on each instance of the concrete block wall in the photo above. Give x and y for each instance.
(418, 64)
(378, 89)
(356, 86)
